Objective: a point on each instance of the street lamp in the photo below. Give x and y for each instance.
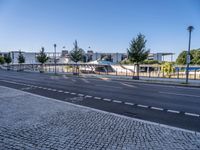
(55, 57)
(190, 28)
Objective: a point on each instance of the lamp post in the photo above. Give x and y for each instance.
(190, 28)
(55, 57)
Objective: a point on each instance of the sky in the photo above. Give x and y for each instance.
(102, 25)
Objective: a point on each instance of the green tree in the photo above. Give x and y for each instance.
(2, 61)
(194, 55)
(77, 54)
(8, 60)
(167, 68)
(21, 60)
(42, 58)
(137, 51)
(181, 59)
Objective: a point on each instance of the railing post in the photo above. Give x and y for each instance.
(178, 74)
(195, 73)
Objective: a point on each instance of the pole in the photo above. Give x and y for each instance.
(188, 58)
(55, 58)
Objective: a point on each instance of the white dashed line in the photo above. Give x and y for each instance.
(80, 94)
(157, 108)
(173, 111)
(88, 96)
(97, 98)
(191, 114)
(73, 93)
(143, 106)
(66, 92)
(127, 103)
(107, 99)
(60, 91)
(116, 101)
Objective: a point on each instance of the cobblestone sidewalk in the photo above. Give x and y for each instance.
(32, 122)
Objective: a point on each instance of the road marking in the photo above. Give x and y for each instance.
(173, 111)
(66, 92)
(53, 90)
(81, 95)
(127, 103)
(191, 114)
(73, 80)
(108, 86)
(97, 97)
(116, 101)
(107, 99)
(188, 95)
(60, 91)
(128, 85)
(157, 108)
(84, 80)
(143, 106)
(44, 88)
(88, 96)
(73, 93)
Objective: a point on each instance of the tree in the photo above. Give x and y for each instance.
(8, 60)
(2, 61)
(194, 56)
(137, 51)
(42, 58)
(77, 53)
(21, 59)
(181, 59)
(167, 68)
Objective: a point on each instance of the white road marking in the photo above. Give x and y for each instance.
(108, 86)
(66, 92)
(73, 80)
(157, 108)
(128, 85)
(88, 96)
(97, 97)
(60, 91)
(73, 93)
(107, 99)
(191, 114)
(116, 101)
(173, 111)
(143, 106)
(84, 80)
(178, 94)
(80, 94)
(127, 103)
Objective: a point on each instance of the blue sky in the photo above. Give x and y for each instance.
(104, 25)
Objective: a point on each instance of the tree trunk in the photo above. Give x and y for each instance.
(137, 77)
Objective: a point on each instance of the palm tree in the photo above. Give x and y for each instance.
(137, 52)
(42, 58)
(190, 29)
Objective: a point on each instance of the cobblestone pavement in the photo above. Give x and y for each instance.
(32, 122)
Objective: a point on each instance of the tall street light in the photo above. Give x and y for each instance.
(190, 29)
(55, 57)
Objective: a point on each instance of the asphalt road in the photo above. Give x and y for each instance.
(171, 105)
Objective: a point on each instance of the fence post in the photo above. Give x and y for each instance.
(178, 74)
(195, 73)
